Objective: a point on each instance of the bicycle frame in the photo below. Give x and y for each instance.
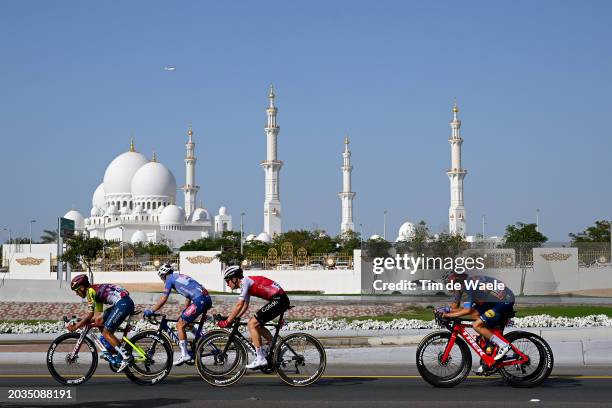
(460, 329)
(142, 355)
(165, 329)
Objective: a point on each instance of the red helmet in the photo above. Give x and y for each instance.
(454, 276)
(78, 281)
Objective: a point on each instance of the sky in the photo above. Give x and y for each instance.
(532, 81)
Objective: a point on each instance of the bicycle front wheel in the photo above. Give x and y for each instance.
(152, 354)
(69, 365)
(219, 361)
(299, 359)
(430, 362)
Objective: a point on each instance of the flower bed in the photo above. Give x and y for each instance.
(342, 324)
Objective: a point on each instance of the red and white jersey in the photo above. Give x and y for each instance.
(259, 286)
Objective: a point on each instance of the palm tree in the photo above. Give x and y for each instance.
(48, 236)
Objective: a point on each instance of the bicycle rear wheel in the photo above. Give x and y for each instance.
(67, 366)
(299, 359)
(217, 367)
(540, 363)
(431, 367)
(152, 358)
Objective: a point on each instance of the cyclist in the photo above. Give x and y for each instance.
(261, 287)
(198, 302)
(487, 307)
(121, 307)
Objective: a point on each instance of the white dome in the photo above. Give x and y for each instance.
(119, 173)
(200, 214)
(138, 237)
(111, 210)
(406, 231)
(98, 197)
(79, 220)
(375, 236)
(96, 212)
(153, 180)
(160, 209)
(172, 215)
(264, 237)
(251, 237)
(223, 211)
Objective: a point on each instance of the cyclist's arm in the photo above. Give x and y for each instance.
(160, 303)
(187, 303)
(238, 310)
(84, 320)
(463, 311)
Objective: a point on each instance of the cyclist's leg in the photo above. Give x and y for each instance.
(491, 318)
(274, 308)
(198, 306)
(122, 309)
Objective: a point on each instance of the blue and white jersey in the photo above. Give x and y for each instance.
(185, 285)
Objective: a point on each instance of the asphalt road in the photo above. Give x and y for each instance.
(342, 386)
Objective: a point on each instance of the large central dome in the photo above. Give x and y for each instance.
(153, 180)
(119, 173)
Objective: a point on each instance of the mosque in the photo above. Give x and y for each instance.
(136, 202)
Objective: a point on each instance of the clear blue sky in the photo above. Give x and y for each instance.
(532, 80)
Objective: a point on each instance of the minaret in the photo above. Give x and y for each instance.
(272, 166)
(456, 174)
(347, 195)
(190, 188)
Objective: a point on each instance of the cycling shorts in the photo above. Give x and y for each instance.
(275, 307)
(198, 306)
(494, 314)
(115, 315)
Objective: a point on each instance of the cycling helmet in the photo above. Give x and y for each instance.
(233, 271)
(79, 281)
(164, 270)
(452, 276)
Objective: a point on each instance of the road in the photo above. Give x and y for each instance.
(342, 386)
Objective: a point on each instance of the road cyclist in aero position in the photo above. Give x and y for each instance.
(198, 302)
(122, 306)
(261, 287)
(482, 300)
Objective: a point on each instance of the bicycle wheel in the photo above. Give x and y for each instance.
(67, 366)
(429, 360)
(152, 358)
(540, 363)
(299, 359)
(216, 367)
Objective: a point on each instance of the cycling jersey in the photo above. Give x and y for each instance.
(106, 293)
(259, 286)
(184, 285)
(474, 295)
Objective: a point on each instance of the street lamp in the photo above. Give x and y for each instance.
(361, 235)
(241, 231)
(385, 225)
(121, 246)
(537, 219)
(31, 222)
(10, 243)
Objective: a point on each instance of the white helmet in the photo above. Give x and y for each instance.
(233, 271)
(164, 270)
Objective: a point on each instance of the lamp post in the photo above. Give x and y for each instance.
(385, 225)
(241, 231)
(31, 222)
(361, 235)
(9, 241)
(537, 219)
(121, 246)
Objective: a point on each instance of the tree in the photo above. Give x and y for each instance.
(447, 245)
(600, 232)
(418, 243)
(18, 240)
(521, 233)
(152, 248)
(349, 241)
(378, 248)
(255, 248)
(202, 244)
(83, 250)
(48, 236)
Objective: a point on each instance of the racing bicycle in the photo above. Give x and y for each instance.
(72, 358)
(444, 358)
(299, 359)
